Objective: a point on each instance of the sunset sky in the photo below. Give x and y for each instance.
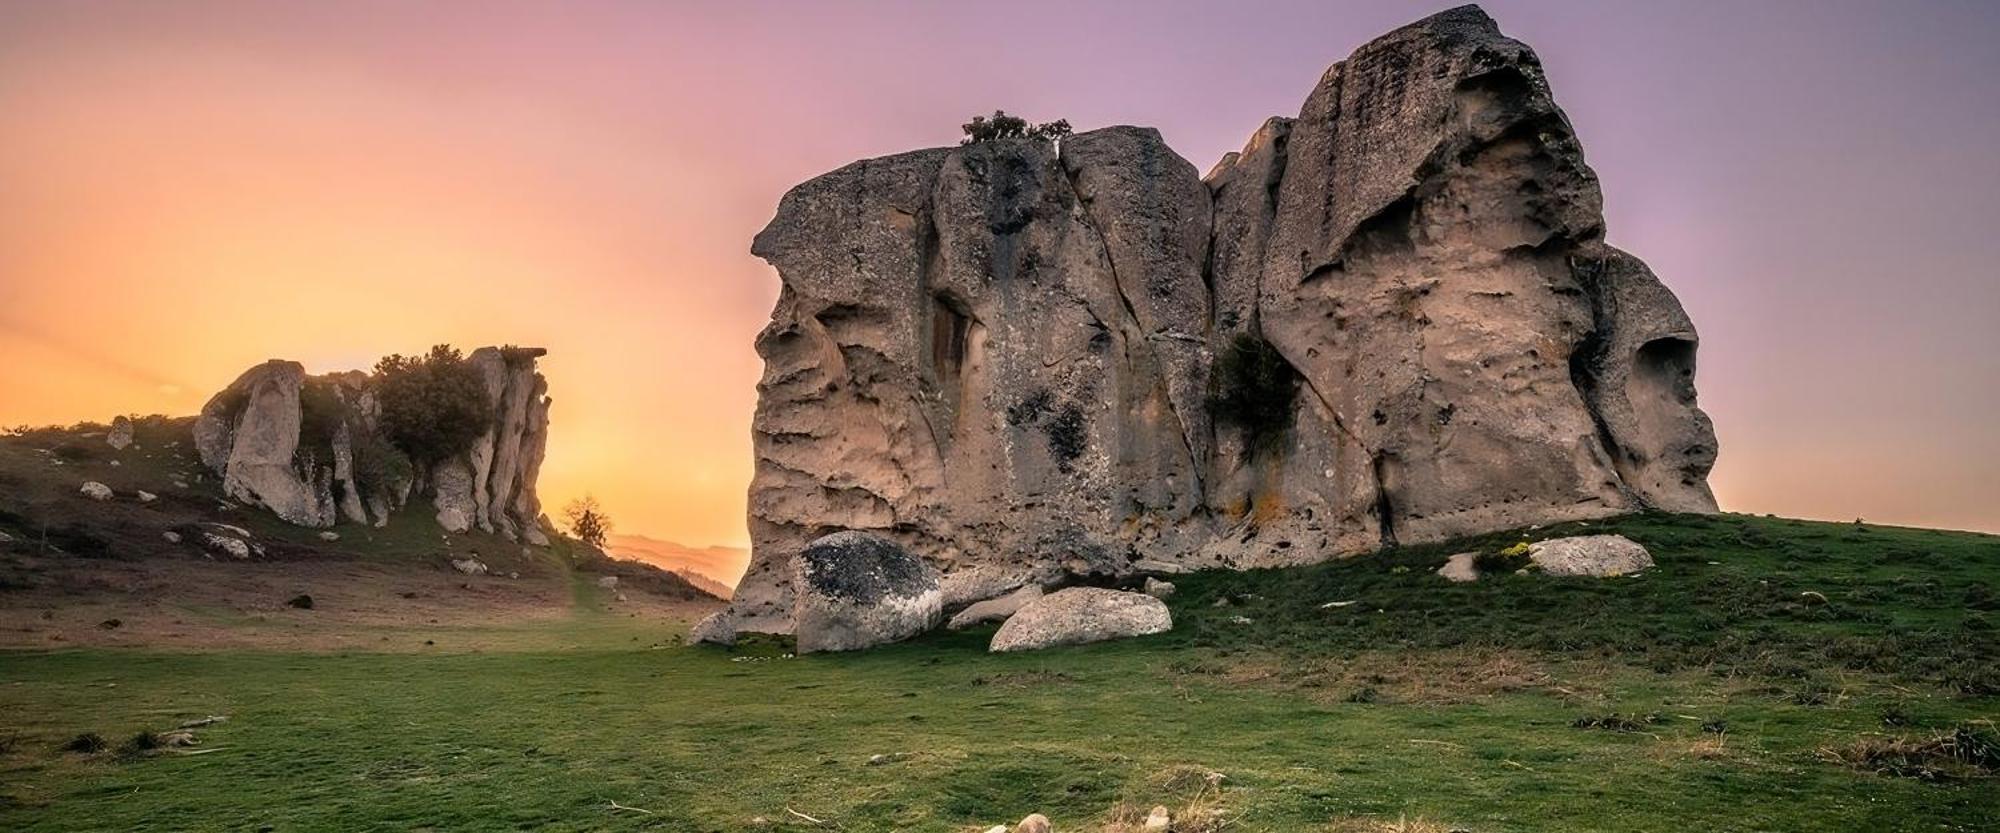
(188, 188)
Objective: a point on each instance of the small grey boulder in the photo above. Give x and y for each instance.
(853, 590)
(1590, 555)
(715, 629)
(1460, 567)
(996, 609)
(95, 490)
(1082, 614)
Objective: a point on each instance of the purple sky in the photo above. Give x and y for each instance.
(1817, 180)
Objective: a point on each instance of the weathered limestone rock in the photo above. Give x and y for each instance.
(855, 590)
(120, 434)
(1590, 555)
(1159, 589)
(469, 566)
(718, 628)
(260, 468)
(95, 490)
(451, 482)
(1078, 615)
(995, 609)
(1001, 355)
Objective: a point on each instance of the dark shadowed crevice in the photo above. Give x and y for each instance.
(1387, 470)
(949, 328)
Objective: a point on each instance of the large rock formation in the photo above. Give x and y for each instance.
(301, 446)
(1006, 355)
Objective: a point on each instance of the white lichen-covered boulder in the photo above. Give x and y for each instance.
(1590, 555)
(854, 590)
(1082, 614)
(95, 490)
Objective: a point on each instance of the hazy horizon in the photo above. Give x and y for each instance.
(190, 189)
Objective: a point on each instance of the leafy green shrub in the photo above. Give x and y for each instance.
(379, 467)
(1003, 126)
(433, 406)
(1252, 389)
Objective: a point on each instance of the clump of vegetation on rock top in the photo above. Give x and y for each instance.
(433, 406)
(1003, 126)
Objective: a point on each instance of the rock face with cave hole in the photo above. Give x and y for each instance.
(1002, 355)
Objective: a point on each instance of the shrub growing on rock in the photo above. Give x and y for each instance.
(433, 406)
(1003, 126)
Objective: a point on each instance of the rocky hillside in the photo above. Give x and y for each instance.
(1391, 319)
(120, 535)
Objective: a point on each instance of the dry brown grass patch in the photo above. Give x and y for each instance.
(1434, 677)
(1967, 751)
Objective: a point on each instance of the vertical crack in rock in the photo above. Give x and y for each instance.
(999, 355)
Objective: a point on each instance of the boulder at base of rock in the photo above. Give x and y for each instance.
(1590, 555)
(95, 491)
(854, 590)
(120, 435)
(469, 566)
(995, 610)
(1082, 614)
(329, 536)
(718, 628)
(1034, 823)
(1159, 589)
(1461, 567)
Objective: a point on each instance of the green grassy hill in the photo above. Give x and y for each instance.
(1767, 675)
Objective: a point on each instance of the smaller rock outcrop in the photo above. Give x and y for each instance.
(315, 450)
(1590, 555)
(1082, 614)
(855, 590)
(95, 490)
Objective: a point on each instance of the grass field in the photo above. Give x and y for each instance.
(1768, 675)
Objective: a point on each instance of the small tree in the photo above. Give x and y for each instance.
(587, 521)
